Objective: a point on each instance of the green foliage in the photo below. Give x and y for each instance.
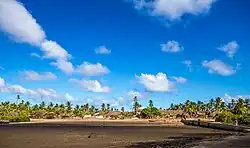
(225, 116)
(150, 112)
(19, 117)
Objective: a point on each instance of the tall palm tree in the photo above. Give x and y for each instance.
(42, 105)
(151, 105)
(122, 109)
(103, 107)
(136, 105)
(68, 106)
(108, 107)
(218, 101)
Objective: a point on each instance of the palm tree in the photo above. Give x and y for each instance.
(17, 98)
(86, 107)
(151, 105)
(27, 104)
(68, 106)
(218, 104)
(122, 109)
(42, 105)
(136, 105)
(103, 107)
(108, 107)
(171, 106)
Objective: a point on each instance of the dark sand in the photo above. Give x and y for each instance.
(115, 135)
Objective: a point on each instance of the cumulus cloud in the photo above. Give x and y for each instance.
(179, 79)
(35, 76)
(217, 66)
(102, 50)
(22, 27)
(54, 51)
(132, 94)
(39, 94)
(20, 24)
(89, 69)
(230, 48)
(171, 46)
(173, 10)
(2, 82)
(158, 82)
(64, 65)
(91, 85)
(228, 98)
(188, 64)
(69, 97)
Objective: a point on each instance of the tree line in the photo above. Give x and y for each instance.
(215, 108)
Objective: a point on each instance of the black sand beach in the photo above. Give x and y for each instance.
(115, 135)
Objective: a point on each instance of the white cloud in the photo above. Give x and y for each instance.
(39, 94)
(102, 50)
(179, 79)
(69, 97)
(230, 48)
(33, 54)
(89, 69)
(132, 94)
(172, 10)
(34, 76)
(171, 46)
(54, 51)
(157, 82)
(188, 64)
(47, 93)
(228, 98)
(64, 65)
(1, 68)
(217, 66)
(2, 82)
(91, 85)
(20, 24)
(22, 27)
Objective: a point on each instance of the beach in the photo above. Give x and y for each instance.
(102, 134)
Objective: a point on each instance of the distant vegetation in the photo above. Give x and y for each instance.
(218, 109)
(215, 108)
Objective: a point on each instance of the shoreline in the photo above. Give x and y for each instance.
(105, 122)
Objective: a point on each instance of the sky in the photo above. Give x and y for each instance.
(108, 51)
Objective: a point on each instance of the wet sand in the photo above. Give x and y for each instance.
(112, 135)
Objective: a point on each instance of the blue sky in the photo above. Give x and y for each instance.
(108, 51)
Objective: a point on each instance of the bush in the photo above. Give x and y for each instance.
(150, 112)
(37, 114)
(16, 117)
(243, 118)
(225, 116)
(229, 117)
(50, 115)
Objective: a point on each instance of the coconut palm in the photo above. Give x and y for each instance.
(68, 106)
(151, 105)
(122, 109)
(108, 107)
(103, 107)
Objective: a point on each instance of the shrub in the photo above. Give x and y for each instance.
(150, 112)
(50, 115)
(16, 117)
(225, 116)
(37, 114)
